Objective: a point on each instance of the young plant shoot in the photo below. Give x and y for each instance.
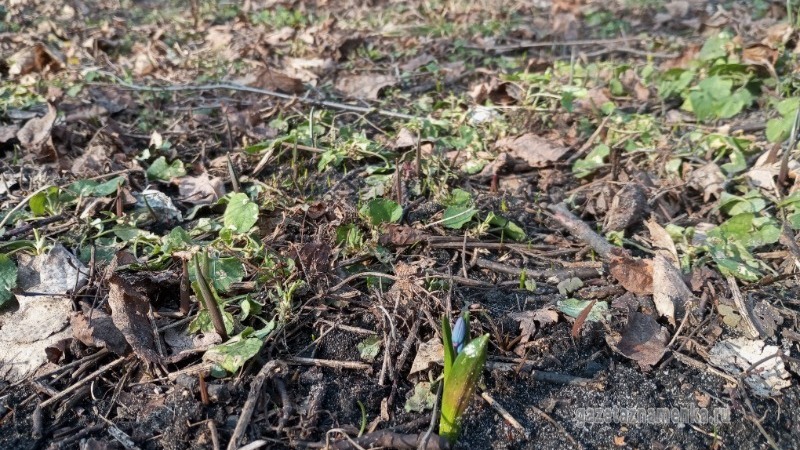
(463, 364)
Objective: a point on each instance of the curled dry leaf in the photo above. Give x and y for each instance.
(129, 311)
(635, 275)
(762, 56)
(497, 92)
(202, 189)
(670, 292)
(530, 321)
(36, 131)
(8, 132)
(628, 207)
(367, 87)
(43, 316)
(37, 58)
(593, 102)
(405, 139)
(779, 34)
(407, 278)
(643, 340)
(96, 159)
(314, 258)
(416, 62)
(430, 352)
(662, 241)
(738, 355)
(95, 328)
(400, 235)
(707, 179)
(766, 170)
(274, 80)
(532, 151)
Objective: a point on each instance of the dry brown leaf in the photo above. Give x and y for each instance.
(129, 311)
(643, 340)
(202, 189)
(37, 58)
(95, 328)
(430, 352)
(662, 241)
(314, 258)
(581, 319)
(531, 150)
(762, 56)
(635, 275)
(630, 80)
(683, 61)
(274, 80)
(42, 319)
(735, 356)
(36, 132)
(670, 293)
(497, 92)
(367, 87)
(628, 207)
(405, 139)
(778, 34)
(707, 179)
(594, 100)
(400, 235)
(96, 158)
(531, 321)
(416, 62)
(307, 70)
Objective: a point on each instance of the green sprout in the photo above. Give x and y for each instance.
(463, 365)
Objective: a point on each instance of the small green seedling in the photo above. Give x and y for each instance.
(463, 365)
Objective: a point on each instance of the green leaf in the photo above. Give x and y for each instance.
(369, 348)
(574, 307)
(160, 170)
(380, 210)
(747, 230)
(507, 228)
(108, 188)
(177, 239)
(8, 278)
(456, 217)
(423, 398)
(778, 129)
(751, 202)
(46, 202)
(447, 341)
(714, 98)
(715, 47)
(458, 197)
(594, 160)
(232, 355)
(349, 235)
(226, 271)
(674, 82)
(249, 307)
(85, 188)
(459, 385)
(203, 322)
(240, 214)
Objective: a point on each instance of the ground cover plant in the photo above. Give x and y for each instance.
(253, 225)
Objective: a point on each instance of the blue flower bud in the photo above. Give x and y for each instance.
(459, 334)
